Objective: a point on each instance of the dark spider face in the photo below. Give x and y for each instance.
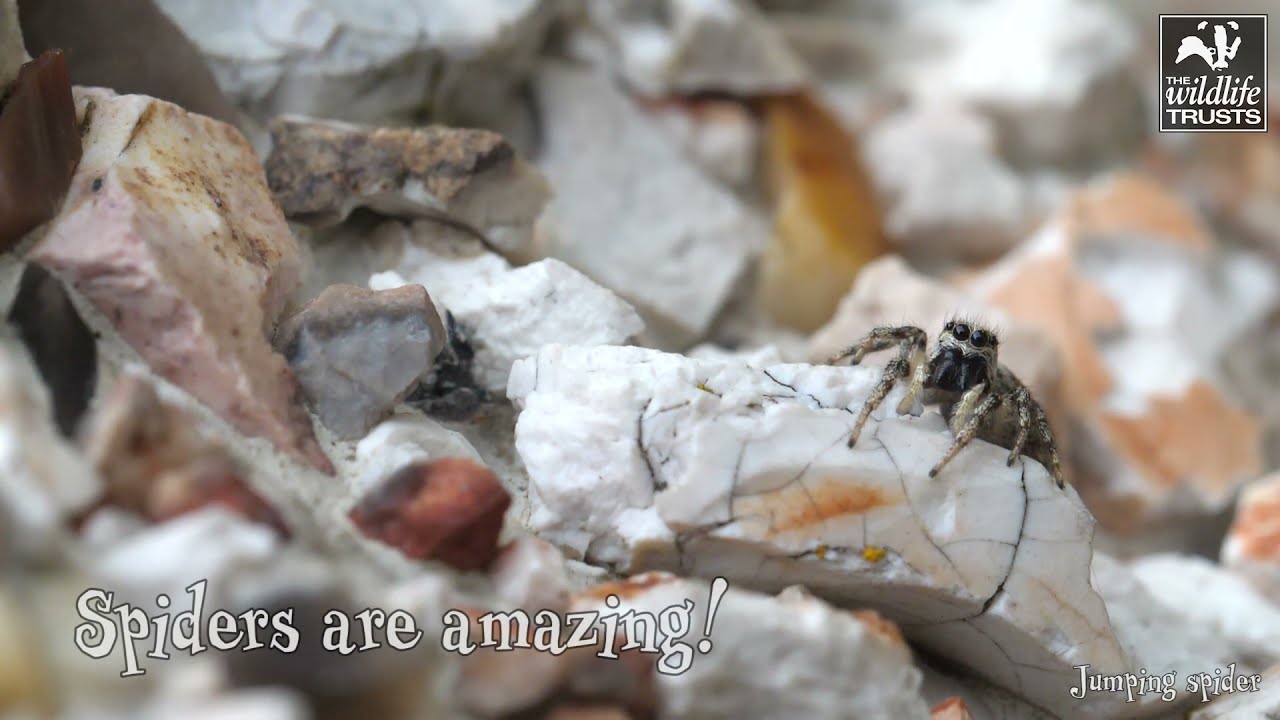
(966, 356)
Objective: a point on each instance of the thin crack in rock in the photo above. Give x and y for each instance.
(658, 485)
(902, 480)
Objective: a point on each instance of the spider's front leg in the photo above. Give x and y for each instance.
(969, 414)
(1029, 412)
(911, 341)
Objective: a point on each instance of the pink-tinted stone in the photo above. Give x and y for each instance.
(170, 231)
(449, 509)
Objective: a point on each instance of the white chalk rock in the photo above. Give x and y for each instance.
(775, 657)
(946, 188)
(672, 47)
(43, 479)
(509, 312)
(1217, 600)
(210, 544)
(643, 460)
(366, 61)
(1054, 74)
(1252, 547)
(401, 440)
(722, 136)
(632, 211)
(530, 574)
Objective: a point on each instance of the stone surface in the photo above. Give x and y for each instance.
(1252, 546)
(643, 460)
(357, 353)
(508, 313)
(530, 574)
(450, 509)
(349, 60)
(628, 198)
(170, 231)
(1056, 103)
(39, 144)
(44, 482)
(211, 544)
(24, 677)
(722, 136)
(90, 32)
(1216, 600)
(403, 439)
(953, 708)
(1261, 705)
(945, 187)
(1143, 618)
(827, 219)
(322, 170)
(1142, 305)
(63, 348)
(790, 656)
(155, 461)
(689, 46)
(13, 53)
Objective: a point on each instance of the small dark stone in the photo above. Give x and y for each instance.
(60, 343)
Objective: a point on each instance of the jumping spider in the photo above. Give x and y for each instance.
(978, 396)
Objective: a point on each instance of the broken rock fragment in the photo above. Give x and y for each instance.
(1252, 547)
(642, 460)
(39, 142)
(789, 656)
(156, 462)
(322, 170)
(627, 197)
(1143, 305)
(508, 313)
(450, 509)
(170, 232)
(668, 47)
(357, 352)
(44, 482)
(946, 190)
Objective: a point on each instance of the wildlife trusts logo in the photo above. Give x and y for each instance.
(1213, 73)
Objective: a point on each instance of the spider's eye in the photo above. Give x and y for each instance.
(961, 332)
(950, 324)
(979, 338)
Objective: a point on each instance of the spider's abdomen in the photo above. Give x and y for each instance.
(955, 372)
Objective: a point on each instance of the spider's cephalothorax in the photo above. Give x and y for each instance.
(978, 396)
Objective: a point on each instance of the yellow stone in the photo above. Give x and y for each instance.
(871, 553)
(827, 222)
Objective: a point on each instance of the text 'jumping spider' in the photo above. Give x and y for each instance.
(978, 396)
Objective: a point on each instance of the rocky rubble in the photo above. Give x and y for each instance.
(714, 469)
(505, 323)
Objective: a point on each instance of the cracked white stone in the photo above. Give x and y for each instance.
(1217, 600)
(366, 61)
(786, 656)
(666, 47)
(643, 460)
(508, 312)
(946, 188)
(44, 481)
(632, 211)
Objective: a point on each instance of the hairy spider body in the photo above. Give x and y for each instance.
(978, 397)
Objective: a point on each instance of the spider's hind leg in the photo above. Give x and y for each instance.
(894, 371)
